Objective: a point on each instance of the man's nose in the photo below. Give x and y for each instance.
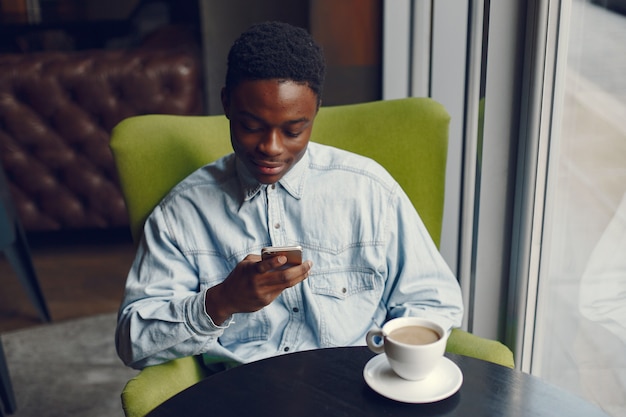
(272, 143)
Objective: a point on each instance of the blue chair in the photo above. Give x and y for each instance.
(6, 390)
(13, 245)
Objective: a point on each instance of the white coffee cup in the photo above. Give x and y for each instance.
(413, 345)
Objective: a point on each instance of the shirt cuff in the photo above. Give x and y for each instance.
(200, 319)
(212, 324)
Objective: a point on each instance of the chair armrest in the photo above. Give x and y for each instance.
(463, 343)
(155, 384)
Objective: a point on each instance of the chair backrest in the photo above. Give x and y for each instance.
(409, 137)
(8, 215)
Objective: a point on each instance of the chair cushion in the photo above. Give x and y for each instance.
(155, 384)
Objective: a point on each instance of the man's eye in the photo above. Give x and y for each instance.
(250, 128)
(292, 133)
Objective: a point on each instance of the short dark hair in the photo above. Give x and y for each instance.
(276, 50)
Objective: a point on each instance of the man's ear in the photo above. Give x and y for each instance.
(225, 102)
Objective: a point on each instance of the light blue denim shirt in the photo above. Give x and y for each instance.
(373, 260)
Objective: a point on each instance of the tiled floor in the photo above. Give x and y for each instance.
(582, 344)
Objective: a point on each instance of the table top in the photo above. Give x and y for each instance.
(330, 382)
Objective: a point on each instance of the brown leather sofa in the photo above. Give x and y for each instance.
(57, 110)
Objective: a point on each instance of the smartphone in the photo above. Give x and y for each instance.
(293, 254)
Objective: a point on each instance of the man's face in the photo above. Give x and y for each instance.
(270, 125)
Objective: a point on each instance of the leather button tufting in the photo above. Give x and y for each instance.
(56, 116)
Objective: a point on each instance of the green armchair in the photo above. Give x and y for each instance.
(407, 136)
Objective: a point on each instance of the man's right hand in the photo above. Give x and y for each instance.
(253, 284)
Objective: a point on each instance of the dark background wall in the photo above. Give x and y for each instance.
(350, 32)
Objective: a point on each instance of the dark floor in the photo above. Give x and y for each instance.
(81, 274)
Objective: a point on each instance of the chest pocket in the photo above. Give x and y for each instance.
(343, 304)
(342, 284)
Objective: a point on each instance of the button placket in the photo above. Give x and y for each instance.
(292, 302)
(275, 219)
(290, 297)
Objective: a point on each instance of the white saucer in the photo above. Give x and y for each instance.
(445, 380)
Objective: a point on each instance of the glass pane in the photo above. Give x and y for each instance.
(580, 341)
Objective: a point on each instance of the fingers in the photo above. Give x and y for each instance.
(277, 274)
(296, 274)
(253, 258)
(272, 263)
(253, 284)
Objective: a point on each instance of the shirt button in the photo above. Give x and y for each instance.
(295, 309)
(273, 186)
(286, 349)
(277, 226)
(343, 290)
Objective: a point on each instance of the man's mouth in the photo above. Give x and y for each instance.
(269, 168)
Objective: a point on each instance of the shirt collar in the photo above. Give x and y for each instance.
(293, 181)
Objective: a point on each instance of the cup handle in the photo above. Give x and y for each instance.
(375, 340)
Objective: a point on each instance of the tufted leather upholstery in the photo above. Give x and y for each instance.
(57, 110)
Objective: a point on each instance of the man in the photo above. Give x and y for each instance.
(198, 284)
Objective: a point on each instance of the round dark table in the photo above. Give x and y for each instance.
(329, 383)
